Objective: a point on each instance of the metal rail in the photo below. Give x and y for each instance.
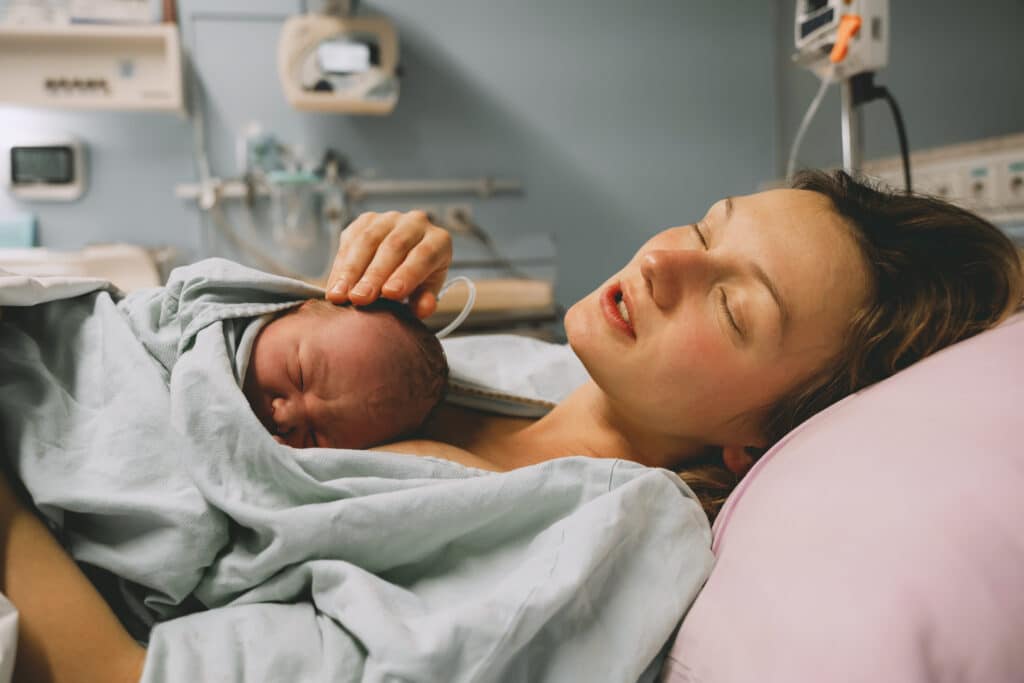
(356, 189)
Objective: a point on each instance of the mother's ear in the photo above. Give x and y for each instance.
(737, 459)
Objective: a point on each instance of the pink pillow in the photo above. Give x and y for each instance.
(882, 540)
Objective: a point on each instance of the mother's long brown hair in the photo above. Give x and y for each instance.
(939, 274)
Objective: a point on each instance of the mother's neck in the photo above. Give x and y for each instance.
(588, 423)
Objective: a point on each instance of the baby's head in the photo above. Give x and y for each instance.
(344, 377)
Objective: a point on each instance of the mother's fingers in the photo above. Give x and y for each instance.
(423, 270)
(394, 255)
(356, 247)
(403, 238)
(423, 303)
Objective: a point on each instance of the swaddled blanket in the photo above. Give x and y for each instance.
(124, 419)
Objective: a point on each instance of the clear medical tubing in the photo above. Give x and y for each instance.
(826, 81)
(470, 300)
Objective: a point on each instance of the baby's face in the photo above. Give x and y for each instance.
(323, 379)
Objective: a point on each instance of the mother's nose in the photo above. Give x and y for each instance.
(671, 273)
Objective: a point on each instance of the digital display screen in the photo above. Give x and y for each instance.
(344, 57)
(52, 165)
(817, 22)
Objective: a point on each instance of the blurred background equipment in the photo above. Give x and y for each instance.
(846, 42)
(45, 168)
(121, 67)
(339, 62)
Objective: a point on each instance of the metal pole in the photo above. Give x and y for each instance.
(853, 149)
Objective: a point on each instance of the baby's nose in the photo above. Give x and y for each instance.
(288, 423)
(284, 414)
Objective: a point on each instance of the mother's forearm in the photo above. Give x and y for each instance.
(66, 632)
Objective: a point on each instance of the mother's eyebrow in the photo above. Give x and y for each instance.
(767, 282)
(763, 278)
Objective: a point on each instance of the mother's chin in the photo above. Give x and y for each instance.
(579, 325)
(591, 337)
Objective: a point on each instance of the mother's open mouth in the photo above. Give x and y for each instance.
(617, 310)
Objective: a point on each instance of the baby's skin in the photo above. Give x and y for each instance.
(341, 377)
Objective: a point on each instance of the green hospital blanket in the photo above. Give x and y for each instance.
(124, 420)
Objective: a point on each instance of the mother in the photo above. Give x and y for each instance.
(720, 336)
(710, 344)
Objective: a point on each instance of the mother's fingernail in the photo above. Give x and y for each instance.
(394, 286)
(364, 288)
(340, 287)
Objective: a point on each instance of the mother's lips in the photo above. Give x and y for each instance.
(610, 307)
(627, 300)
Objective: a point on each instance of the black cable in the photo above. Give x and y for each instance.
(901, 131)
(864, 91)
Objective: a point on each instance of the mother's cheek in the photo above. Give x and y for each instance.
(697, 347)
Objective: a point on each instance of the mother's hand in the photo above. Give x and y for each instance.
(394, 255)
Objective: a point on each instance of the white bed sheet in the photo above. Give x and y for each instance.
(8, 638)
(127, 266)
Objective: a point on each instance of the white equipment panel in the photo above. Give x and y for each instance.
(92, 67)
(986, 176)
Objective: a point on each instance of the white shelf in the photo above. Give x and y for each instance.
(94, 66)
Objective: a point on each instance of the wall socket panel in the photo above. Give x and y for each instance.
(986, 176)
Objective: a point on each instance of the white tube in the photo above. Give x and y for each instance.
(464, 313)
(826, 80)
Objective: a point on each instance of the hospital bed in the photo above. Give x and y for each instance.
(128, 266)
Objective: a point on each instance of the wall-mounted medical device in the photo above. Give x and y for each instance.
(46, 168)
(847, 37)
(845, 42)
(101, 66)
(340, 64)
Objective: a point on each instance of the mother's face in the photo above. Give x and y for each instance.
(722, 317)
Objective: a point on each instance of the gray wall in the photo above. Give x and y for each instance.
(620, 118)
(954, 67)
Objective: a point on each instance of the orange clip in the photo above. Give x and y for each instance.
(849, 24)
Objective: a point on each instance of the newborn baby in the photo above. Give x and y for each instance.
(331, 376)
